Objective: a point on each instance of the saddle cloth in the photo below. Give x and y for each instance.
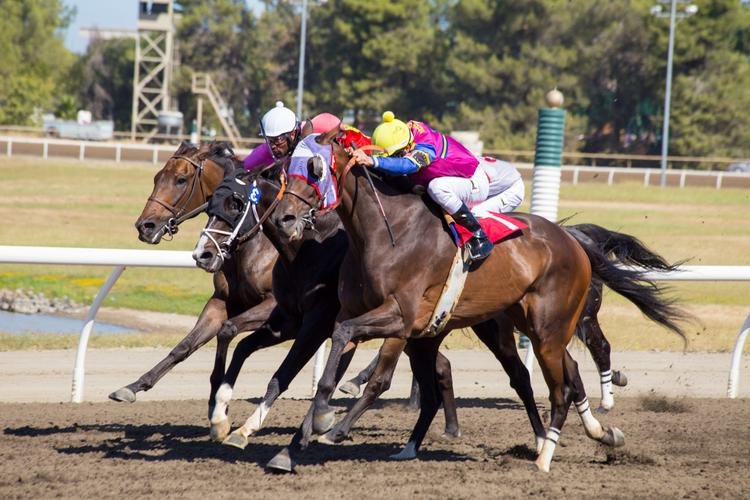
(497, 226)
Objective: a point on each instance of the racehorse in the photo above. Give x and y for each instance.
(539, 279)
(242, 298)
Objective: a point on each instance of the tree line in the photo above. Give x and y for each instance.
(459, 64)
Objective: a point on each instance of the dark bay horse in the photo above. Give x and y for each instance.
(539, 279)
(307, 296)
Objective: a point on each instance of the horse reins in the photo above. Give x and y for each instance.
(349, 166)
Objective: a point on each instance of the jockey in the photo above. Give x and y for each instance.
(282, 132)
(440, 163)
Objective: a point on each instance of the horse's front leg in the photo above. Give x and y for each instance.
(250, 320)
(315, 328)
(379, 382)
(384, 321)
(209, 323)
(275, 330)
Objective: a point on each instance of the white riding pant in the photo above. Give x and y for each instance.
(497, 180)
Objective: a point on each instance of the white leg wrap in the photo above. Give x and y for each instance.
(539, 444)
(608, 400)
(593, 428)
(223, 397)
(255, 422)
(544, 459)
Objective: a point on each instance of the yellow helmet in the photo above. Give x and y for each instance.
(391, 135)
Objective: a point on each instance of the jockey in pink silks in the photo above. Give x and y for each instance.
(452, 175)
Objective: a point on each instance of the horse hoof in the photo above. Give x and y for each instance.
(350, 388)
(282, 462)
(451, 435)
(236, 440)
(619, 378)
(406, 454)
(123, 395)
(540, 465)
(602, 410)
(220, 430)
(324, 421)
(330, 437)
(613, 437)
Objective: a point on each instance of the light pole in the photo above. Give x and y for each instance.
(301, 71)
(673, 15)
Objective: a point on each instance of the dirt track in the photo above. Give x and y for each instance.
(675, 448)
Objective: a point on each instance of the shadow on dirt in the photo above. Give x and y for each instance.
(168, 442)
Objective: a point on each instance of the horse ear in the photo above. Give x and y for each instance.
(184, 147)
(307, 128)
(329, 136)
(319, 166)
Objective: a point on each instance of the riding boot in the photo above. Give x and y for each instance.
(479, 244)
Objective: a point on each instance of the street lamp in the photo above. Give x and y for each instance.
(674, 16)
(301, 70)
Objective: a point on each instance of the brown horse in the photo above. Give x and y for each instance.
(242, 298)
(539, 279)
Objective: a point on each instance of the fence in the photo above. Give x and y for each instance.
(121, 259)
(160, 153)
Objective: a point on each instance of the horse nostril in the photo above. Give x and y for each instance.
(288, 220)
(206, 256)
(146, 225)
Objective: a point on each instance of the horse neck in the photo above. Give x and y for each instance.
(361, 216)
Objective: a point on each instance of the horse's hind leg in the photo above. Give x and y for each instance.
(352, 385)
(498, 337)
(444, 378)
(589, 331)
(612, 436)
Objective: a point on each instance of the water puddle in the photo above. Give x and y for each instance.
(18, 324)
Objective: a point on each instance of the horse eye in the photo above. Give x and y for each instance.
(181, 181)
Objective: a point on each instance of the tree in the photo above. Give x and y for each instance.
(102, 80)
(33, 58)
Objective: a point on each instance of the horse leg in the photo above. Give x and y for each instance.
(444, 378)
(352, 386)
(384, 321)
(284, 461)
(498, 337)
(213, 315)
(377, 385)
(251, 319)
(589, 331)
(423, 359)
(312, 333)
(265, 336)
(612, 436)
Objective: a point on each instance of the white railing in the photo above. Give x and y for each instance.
(166, 258)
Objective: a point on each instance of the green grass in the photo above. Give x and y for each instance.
(94, 204)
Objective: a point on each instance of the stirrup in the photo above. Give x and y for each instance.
(480, 247)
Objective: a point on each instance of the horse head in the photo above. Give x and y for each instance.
(236, 212)
(316, 168)
(185, 182)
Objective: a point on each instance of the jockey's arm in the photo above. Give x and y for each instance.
(416, 159)
(259, 157)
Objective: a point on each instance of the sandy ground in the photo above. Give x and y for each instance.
(45, 376)
(696, 448)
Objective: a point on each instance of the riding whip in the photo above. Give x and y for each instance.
(375, 192)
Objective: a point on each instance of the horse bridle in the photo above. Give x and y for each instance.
(178, 214)
(234, 238)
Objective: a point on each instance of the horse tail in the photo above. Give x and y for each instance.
(626, 249)
(600, 243)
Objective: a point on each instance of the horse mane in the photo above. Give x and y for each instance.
(221, 153)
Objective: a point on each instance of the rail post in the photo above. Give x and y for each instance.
(545, 184)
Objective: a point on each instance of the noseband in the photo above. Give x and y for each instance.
(178, 214)
(234, 238)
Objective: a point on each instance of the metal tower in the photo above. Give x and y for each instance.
(153, 65)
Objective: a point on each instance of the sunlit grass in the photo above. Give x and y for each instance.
(94, 204)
